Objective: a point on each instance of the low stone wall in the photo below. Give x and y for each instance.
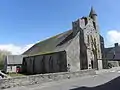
(114, 63)
(41, 78)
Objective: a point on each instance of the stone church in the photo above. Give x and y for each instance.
(81, 45)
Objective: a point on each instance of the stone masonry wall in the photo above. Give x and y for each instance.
(41, 78)
(92, 41)
(73, 54)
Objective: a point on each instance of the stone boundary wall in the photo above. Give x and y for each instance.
(42, 78)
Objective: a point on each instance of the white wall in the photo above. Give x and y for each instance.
(11, 69)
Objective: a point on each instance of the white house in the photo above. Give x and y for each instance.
(12, 62)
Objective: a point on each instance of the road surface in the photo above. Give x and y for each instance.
(102, 81)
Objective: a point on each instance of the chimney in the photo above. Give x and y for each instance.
(116, 44)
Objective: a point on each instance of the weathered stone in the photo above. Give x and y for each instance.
(42, 78)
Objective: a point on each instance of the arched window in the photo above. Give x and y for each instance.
(86, 21)
(94, 24)
(88, 40)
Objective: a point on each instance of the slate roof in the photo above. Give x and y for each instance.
(106, 50)
(53, 44)
(14, 59)
(113, 52)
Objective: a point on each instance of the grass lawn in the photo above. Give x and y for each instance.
(15, 74)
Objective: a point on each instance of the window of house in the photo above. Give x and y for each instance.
(11, 68)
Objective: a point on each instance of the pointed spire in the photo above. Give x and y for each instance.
(92, 12)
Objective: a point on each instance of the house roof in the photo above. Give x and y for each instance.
(14, 59)
(113, 53)
(53, 44)
(106, 50)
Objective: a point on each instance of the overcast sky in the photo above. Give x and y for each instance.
(25, 22)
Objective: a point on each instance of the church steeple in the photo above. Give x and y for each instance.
(93, 14)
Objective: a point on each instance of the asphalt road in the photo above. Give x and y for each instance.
(102, 81)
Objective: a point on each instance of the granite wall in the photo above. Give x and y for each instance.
(73, 54)
(42, 78)
(114, 63)
(92, 42)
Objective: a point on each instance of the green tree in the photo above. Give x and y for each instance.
(3, 53)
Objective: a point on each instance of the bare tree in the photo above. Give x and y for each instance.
(3, 53)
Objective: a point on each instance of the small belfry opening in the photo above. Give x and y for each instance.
(86, 21)
(94, 24)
